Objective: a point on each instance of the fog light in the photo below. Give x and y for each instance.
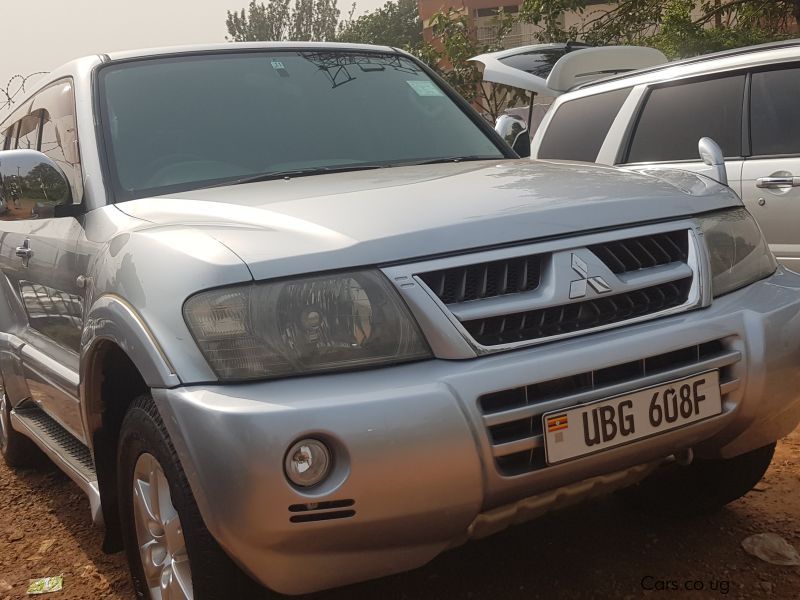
(307, 462)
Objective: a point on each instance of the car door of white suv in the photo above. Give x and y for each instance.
(677, 114)
(771, 174)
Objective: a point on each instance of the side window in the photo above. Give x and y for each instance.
(28, 134)
(59, 139)
(49, 126)
(579, 127)
(774, 114)
(677, 116)
(9, 137)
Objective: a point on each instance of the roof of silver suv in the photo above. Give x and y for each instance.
(199, 48)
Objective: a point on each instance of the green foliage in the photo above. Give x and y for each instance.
(677, 27)
(454, 44)
(277, 20)
(395, 24)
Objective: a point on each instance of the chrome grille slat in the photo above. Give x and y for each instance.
(620, 307)
(512, 417)
(632, 254)
(539, 296)
(484, 280)
(543, 406)
(729, 386)
(518, 446)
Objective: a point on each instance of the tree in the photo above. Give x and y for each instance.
(678, 27)
(395, 24)
(454, 43)
(277, 20)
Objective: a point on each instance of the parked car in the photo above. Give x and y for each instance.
(549, 70)
(745, 99)
(276, 336)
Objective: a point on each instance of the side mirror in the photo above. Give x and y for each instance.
(712, 155)
(32, 186)
(514, 131)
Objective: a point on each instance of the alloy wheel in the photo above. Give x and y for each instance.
(159, 533)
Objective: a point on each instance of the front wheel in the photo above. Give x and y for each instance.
(170, 552)
(702, 486)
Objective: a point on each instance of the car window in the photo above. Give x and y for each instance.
(208, 119)
(774, 112)
(540, 61)
(579, 127)
(28, 134)
(675, 117)
(50, 128)
(59, 140)
(10, 137)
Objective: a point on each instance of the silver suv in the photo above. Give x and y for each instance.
(293, 315)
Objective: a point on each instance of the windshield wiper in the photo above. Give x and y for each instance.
(290, 173)
(451, 159)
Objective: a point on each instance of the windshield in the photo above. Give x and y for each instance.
(188, 122)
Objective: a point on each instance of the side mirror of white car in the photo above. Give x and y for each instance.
(712, 155)
(514, 131)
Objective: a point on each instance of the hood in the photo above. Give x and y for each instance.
(343, 220)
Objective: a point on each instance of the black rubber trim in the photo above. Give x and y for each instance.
(327, 516)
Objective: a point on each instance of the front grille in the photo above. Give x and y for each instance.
(644, 252)
(485, 280)
(545, 295)
(513, 417)
(569, 318)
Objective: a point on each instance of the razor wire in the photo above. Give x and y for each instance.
(14, 89)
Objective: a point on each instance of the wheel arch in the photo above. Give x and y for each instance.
(120, 360)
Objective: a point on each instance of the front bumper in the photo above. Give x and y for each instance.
(414, 456)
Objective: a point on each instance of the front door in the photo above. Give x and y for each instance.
(39, 265)
(676, 115)
(771, 176)
(41, 299)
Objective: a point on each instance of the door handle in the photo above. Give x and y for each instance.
(24, 252)
(777, 182)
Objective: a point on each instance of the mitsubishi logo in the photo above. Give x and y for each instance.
(577, 288)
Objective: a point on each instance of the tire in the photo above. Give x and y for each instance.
(703, 486)
(18, 450)
(143, 439)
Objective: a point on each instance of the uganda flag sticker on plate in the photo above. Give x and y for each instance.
(557, 423)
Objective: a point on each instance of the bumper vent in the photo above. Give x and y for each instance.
(322, 511)
(513, 417)
(485, 280)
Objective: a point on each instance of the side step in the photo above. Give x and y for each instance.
(64, 449)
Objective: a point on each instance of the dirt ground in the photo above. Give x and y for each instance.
(596, 550)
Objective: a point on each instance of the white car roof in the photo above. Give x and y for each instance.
(728, 60)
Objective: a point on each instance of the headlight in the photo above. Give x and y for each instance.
(737, 250)
(308, 325)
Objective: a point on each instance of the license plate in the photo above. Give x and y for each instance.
(616, 421)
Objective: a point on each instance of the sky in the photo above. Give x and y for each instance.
(39, 35)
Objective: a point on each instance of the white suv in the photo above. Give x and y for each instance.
(746, 100)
